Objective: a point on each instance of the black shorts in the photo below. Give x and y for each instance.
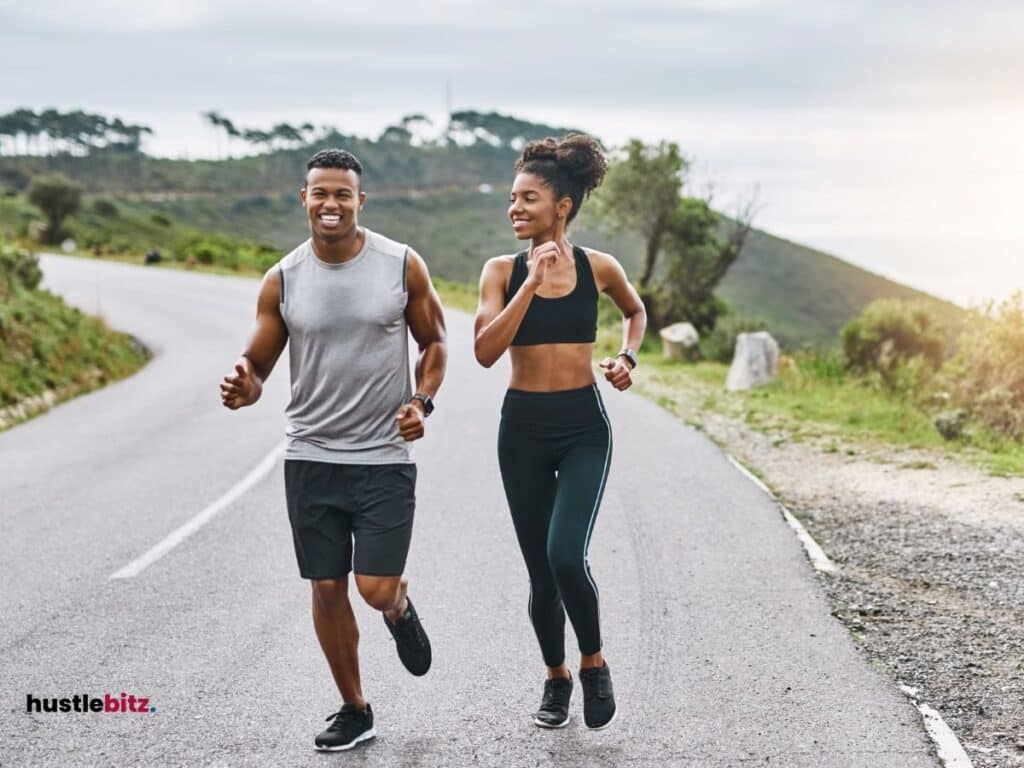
(329, 505)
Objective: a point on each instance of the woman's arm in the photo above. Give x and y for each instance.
(496, 322)
(612, 280)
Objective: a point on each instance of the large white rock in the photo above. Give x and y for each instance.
(755, 362)
(679, 341)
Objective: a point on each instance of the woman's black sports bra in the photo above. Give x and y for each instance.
(569, 319)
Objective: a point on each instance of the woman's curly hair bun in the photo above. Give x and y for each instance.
(574, 166)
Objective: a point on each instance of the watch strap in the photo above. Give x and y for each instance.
(428, 403)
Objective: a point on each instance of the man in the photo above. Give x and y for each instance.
(344, 302)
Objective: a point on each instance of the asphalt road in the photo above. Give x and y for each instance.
(720, 640)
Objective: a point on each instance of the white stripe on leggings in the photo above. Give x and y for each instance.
(597, 502)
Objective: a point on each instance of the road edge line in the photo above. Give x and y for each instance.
(950, 751)
(815, 553)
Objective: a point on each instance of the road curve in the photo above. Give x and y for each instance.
(719, 636)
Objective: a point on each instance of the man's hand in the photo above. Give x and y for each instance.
(242, 388)
(410, 421)
(617, 371)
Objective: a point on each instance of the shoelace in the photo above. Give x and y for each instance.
(597, 687)
(409, 628)
(340, 717)
(548, 699)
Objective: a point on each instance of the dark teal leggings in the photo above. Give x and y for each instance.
(554, 450)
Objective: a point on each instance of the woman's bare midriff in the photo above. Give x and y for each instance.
(552, 367)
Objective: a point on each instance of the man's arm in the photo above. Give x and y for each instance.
(266, 342)
(425, 317)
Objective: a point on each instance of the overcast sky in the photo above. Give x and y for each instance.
(886, 132)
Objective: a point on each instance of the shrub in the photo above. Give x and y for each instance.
(105, 208)
(986, 377)
(204, 252)
(121, 244)
(20, 266)
(889, 334)
(160, 219)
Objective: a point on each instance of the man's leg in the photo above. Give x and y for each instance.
(385, 593)
(322, 534)
(338, 633)
(382, 530)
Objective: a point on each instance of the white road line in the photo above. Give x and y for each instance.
(814, 551)
(139, 564)
(951, 753)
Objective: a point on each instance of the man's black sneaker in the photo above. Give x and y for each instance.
(411, 641)
(554, 707)
(598, 698)
(350, 727)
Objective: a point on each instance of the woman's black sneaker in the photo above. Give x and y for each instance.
(411, 641)
(350, 727)
(554, 707)
(598, 697)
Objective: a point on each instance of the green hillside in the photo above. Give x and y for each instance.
(428, 196)
(805, 295)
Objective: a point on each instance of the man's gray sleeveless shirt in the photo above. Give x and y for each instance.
(348, 345)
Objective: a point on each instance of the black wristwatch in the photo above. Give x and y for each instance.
(428, 404)
(630, 355)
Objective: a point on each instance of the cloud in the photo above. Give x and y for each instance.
(698, 53)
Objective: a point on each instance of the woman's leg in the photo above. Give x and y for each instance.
(581, 479)
(529, 480)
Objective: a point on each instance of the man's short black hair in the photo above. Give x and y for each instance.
(335, 158)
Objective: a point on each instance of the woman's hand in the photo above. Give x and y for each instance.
(617, 371)
(541, 258)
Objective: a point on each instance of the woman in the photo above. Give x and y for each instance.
(555, 442)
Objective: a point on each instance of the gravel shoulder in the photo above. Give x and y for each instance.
(931, 566)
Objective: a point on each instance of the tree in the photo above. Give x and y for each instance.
(217, 121)
(8, 130)
(395, 134)
(25, 122)
(57, 197)
(258, 138)
(287, 133)
(640, 193)
(643, 193)
(696, 261)
(499, 130)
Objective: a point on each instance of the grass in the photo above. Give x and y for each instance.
(842, 413)
(49, 348)
(462, 296)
